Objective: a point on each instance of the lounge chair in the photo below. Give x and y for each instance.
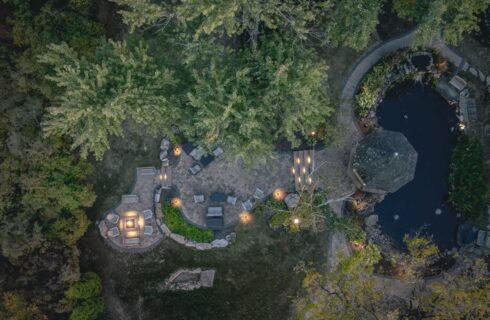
(148, 230)
(259, 194)
(198, 153)
(195, 169)
(231, 200)
(215, 212)
(198, 198)
(113, 232)
(247, 205)
(112, 218)
(217, 152)
(148, 214)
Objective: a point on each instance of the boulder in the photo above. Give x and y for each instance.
(219, 243)
(203, 246)
(166, 231)
(190, 244)
(466, 66)
(207, 278)
(438, 211)
(292, 200)
(372, 220)
(189, 279)
(482, 76)
(178, 238)
(231, 237)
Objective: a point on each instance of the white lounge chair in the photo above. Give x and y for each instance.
(148, 214)
(148, 230)
(231, 200)
(113, 232)
(112, 218)
(259, 194)
(198, 198)
(217, 152)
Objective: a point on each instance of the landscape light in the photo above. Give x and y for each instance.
(245, 217)
(294, 171)
(177, 151)
(176, 202)
(278, 194)
(296, 221)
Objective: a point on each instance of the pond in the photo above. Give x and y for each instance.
(430, 125)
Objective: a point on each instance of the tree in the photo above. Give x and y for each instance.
(248, 101)
(461, 294)
(351, 23)
(14, 307)
(96, 99)
(468, 189)
(453, 18)
(139, 13)
(86, 297)
(349, 292)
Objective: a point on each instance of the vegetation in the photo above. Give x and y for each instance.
(468, 189)
(177, 224)
(451, 18)
(371, 87)
(86, 296)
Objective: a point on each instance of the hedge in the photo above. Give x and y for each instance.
(177, 224)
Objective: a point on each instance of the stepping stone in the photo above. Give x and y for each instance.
(474, 72)
(129, 198)
(488, 80)
(465, 66)
(482, 76)
(438, 211)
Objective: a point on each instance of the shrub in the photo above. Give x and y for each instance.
(177, 224)
(371, 87)
(86, 297)
(468, 189)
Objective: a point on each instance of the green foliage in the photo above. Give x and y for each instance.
(175, 222)
(13, 306)
(351, 228)
(413, 264)
(96, 99)
(351, 23)
(468, 189)
(371, 86)
(86, 295)
(248, 102)
(139, 13)
(453, 18)
(349, 292)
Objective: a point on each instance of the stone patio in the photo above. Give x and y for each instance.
(131, 222)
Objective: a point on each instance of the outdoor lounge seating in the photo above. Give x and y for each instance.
(198, 198)
(148, 214)
(113, 232)
(148, 230)
(217, 197)
(215, 212)
(217, 152)
(112, 218)
(259, 194)
(247, 205)
(231, 200)
(197, 153)
(195, 169)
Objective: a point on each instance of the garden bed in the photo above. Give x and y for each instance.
(177, 224)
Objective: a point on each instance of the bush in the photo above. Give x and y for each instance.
(468, 189)
(86, 297)
(174, 221)
(371, 87)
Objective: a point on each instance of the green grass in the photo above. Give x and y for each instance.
(174, 221)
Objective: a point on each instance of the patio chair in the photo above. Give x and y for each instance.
(217, 152)
(247, 205)
(148, 231)
(198, 153)
(215, 212)
(195, 169)
(165, 144)
(113, 232)
(148, 214)
(259, 194)
(112, 218)
(231, 200)
(198, 198)
(165, 162)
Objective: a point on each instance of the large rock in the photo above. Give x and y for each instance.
(219, 243)
(189, 279)
(372, 220)
(203, 246)
(178, 238)
(231, 237)
(292, 200)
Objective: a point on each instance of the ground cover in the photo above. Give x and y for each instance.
(172, 217)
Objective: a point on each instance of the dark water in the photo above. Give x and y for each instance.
(421, 62)
(429, 123)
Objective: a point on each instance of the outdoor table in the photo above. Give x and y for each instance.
(217, 196)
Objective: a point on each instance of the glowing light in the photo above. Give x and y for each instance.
(299, 179)
(165, 176)
(177, 151)
(130, 223)
(131, 234)
(308, 159)
(245, 217)
(176, 202)
(279, 194)
(309, 180)
(313, 133)
(297, 160)
(294, 171)
(461, 126)
(161, 177)
(304, 169)
(296, 221)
